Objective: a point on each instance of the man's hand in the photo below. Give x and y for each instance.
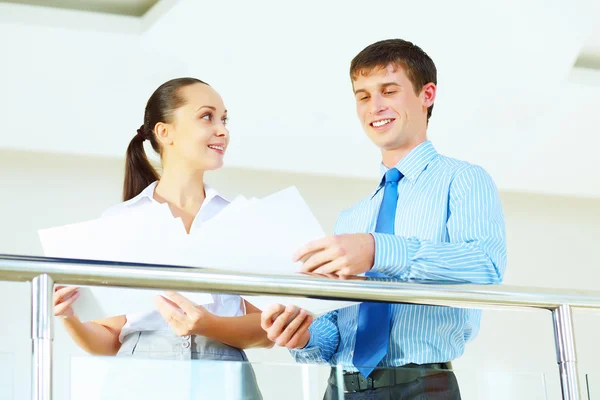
(342, 255)
(184, 317)
(286, 326)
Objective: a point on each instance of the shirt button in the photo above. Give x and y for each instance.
(186, 345)
(187, 337)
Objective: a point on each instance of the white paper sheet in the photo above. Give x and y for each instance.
(249, 235)
(130, 237)
(101, 302)
(266, 233)
(315, 307)
(262, 237)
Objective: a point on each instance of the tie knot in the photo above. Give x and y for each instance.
(393, 175)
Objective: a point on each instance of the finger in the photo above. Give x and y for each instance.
(270, 314)
(307, 256)
(310, 247)
(64, 292)
(291, 329)
(332, 276)
(62, 307)
(294, 342)
(70, 295)
(329, 276)
(332, 267)
(352, 277)
(182, 302)
(170, 313)
(282, 321)
(61, 290)
(318, 259)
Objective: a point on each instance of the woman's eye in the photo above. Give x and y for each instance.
(207, 117)
(225, 120)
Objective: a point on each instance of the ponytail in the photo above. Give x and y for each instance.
(139, 173)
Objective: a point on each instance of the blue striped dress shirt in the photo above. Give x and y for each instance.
(449, 228)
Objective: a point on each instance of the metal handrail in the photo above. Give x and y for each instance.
(95, 273)
(44, 272)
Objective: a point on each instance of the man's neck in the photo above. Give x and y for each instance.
(391, 158)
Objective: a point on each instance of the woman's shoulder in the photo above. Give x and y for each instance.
(140, 199)
(119, 208)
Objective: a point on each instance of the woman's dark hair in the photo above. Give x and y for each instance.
(139, 173)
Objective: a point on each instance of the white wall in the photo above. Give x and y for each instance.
(551, 243)
(530, 102)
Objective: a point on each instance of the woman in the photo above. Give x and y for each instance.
(185, 122)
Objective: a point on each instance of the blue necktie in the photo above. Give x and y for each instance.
(373, 330)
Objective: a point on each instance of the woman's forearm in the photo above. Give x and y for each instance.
(96, 337)
(243, 332)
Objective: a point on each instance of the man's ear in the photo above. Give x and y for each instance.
(428, 94)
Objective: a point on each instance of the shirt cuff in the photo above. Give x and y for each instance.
(310, 353)
(392, 254)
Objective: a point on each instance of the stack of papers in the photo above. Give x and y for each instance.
(249, 235)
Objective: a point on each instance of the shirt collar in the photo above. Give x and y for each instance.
(148, 193)
(411, 165)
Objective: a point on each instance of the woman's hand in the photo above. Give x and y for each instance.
(64, 297)
(184, 317)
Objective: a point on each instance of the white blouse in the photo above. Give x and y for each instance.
(226, 305)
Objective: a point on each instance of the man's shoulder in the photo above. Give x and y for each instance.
(451, 166)
(458, 169)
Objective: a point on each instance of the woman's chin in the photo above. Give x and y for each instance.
(213, 165)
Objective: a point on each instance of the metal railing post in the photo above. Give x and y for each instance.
(565, 352)
(42, 335)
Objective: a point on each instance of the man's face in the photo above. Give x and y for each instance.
(392, 114)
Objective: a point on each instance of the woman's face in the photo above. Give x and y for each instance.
(197, 137)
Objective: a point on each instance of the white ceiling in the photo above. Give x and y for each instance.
(122, 7)
(509, 96)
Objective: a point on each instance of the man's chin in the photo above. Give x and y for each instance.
(388, 145)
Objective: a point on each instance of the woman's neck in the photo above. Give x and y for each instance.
(180, 188)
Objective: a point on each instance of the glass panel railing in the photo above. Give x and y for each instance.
(15, 340)
(513, 355)
(103, 378)
(502, 385)
(589, 384)
(587, 324)
(500, 363)
(7, 376)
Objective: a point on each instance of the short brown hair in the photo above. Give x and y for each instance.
(419, 67)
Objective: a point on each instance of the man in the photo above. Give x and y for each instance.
(432, 219)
